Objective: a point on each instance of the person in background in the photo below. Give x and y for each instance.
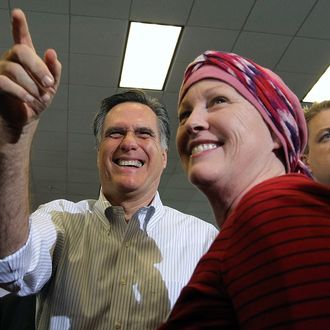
(240, 137)
(17, 313)
(117, 262)
(317, 151)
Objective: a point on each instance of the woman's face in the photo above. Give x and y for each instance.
(318, 157)
(222, 139)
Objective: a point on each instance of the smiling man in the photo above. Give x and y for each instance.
(131, 155)
(118, 262)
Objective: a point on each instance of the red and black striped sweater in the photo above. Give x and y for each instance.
(270, 265)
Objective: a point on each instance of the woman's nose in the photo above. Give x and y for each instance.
(196, 121)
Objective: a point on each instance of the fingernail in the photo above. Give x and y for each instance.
(48, 81)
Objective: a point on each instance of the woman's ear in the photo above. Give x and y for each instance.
(305, 159)
(276, 141)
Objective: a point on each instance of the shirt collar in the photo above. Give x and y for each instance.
(146, 215)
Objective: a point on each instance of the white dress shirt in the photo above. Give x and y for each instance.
(93, 270)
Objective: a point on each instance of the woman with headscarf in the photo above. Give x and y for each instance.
(240, 137)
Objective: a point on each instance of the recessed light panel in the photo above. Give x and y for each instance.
(149, 52)
(321, 90)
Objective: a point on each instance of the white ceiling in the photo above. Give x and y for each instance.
(291, 37)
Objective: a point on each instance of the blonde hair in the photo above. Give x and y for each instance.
(312, 111)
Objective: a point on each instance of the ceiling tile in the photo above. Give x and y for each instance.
(88, 98)
(172, 152)
(317, 23)
(54, 120)
(220, 13)
(176, 75)
(90, 189)
(171, 103)
(48, 140)
(50, 185)
(54, 25)
(98, 36)
(300, 83)
(58, 6)
(81, 122)
(50, 158)
(278, 16)
(94, 70)
(101, 8)
(83, 159)
(252, 45)
(170, 168)
(64, 59)
(4, 4)
(82, 175)
(179, 180)
(180, 194)
(167, 12)
(196, 40)
(198, 196)
(80, 142)
(60, 100)
(48, 174)
(306, 56)
(5, 38)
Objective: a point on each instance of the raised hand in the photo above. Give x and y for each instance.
(28, 83)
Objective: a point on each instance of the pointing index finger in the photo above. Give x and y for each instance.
(20, 29)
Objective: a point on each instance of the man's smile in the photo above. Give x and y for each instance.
(131, 163)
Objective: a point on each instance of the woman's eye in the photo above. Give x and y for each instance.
(183, 116)
(325, 137)
(218, 100)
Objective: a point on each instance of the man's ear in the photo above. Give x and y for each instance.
(164, 154)
(97, 158)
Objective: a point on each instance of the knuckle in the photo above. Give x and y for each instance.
(3, 80)
(6, 54)
(18, 52)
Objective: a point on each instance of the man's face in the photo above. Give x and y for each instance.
(318, 157)
(130, 156)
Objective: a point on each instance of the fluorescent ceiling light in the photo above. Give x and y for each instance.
(321, 90)
(149, 52)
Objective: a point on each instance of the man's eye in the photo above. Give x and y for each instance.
(145, 134)
(114, 134)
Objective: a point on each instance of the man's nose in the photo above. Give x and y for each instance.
(129, 141)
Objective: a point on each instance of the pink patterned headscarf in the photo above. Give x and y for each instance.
(277, 104)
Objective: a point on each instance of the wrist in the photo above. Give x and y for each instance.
(16, 137)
